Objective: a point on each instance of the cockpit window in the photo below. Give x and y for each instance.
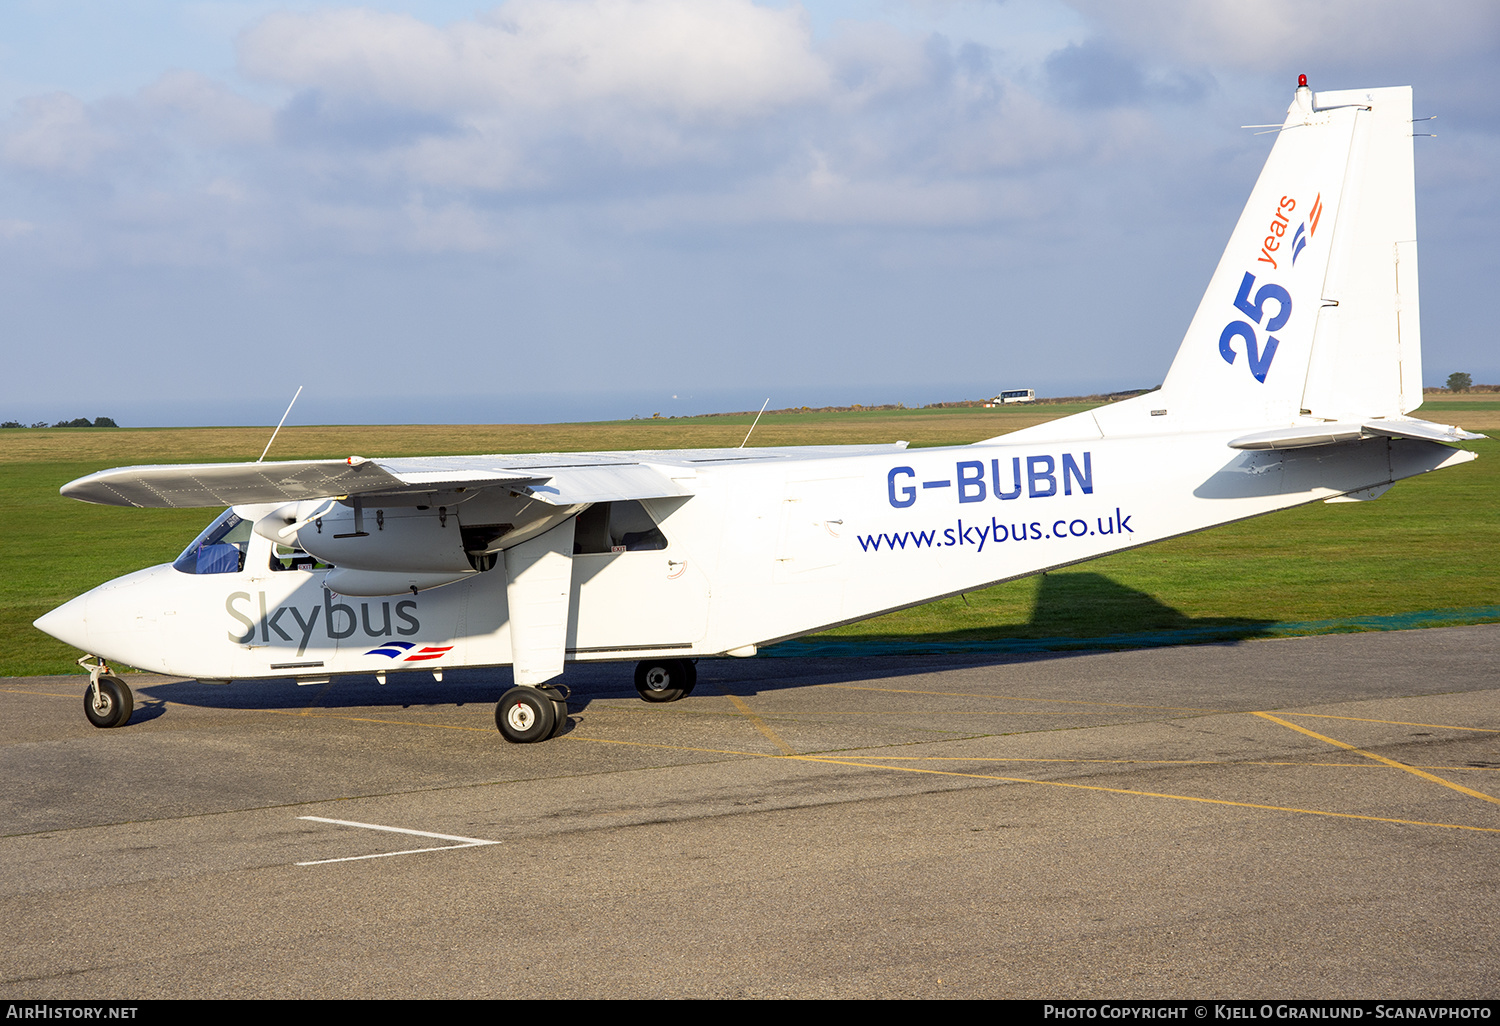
(220, 549)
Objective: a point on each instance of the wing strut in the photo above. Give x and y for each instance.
(538, 582)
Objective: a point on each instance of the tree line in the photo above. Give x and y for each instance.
(78, 422)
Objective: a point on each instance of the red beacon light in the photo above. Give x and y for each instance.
(1301, 81)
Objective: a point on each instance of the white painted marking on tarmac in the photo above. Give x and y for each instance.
(466, 842)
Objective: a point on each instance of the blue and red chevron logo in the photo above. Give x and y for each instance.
(397, 649)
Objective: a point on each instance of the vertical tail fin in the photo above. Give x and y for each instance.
(1312, 314)
(1312, 311)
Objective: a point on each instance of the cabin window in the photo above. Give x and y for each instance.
(285, 557)
(616, 527)
(220, 549)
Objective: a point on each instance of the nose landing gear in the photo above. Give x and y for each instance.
(108, 701)
(526, 715)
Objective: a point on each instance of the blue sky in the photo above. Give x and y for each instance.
(580, 209)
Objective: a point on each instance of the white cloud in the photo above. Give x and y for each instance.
(56, 133)
(691, 58)
(206, 111)
(1265, 35)
(700, 173)
(400, 136)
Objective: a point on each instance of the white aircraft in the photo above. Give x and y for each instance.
(1293, 384)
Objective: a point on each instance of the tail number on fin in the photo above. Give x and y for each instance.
(1259, 360)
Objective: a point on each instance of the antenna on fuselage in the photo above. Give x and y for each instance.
(284, 416)
(756, 420)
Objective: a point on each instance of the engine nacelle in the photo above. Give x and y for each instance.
(379, 583)
(403, 534)
(400, 539)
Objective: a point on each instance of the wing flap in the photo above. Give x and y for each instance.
(575, 485)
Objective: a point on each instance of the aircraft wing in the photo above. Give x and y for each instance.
(1304, 436)
(561, 480)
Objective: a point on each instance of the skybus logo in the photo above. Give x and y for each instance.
(339, 620)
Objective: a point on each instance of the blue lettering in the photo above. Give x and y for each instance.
(1260, 362)
(1226, 336)
(908, 493)
(957, 536)
(971, 484)
(1015, 470)
(1034, 476)
(1070, 472)
(1257, 311)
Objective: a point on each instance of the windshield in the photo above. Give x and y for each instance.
(220, 549)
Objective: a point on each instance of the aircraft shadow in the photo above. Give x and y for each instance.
(1074, 613)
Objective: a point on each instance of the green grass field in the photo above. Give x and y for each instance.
(1432, 543)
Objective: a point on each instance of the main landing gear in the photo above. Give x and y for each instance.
(526, 714)
(665, 680)
(108, 701)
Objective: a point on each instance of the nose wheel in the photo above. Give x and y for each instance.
(108, 701)
(665, 680)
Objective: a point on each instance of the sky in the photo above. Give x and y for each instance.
(543, 210)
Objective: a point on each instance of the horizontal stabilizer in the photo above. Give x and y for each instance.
(1304, 436)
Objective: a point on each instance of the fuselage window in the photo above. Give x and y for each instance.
(284, 557)
(220, 549)
(616, 527)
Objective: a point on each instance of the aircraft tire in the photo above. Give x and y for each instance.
(525, 715)
(115, 705)
(559, 709)
(665, 680)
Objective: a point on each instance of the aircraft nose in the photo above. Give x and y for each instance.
(67, 623)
